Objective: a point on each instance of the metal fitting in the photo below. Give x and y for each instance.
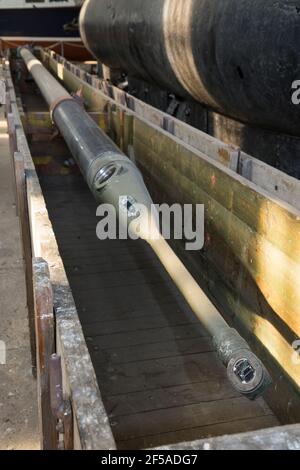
(244, 370)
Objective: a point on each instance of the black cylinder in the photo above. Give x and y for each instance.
(239, 57)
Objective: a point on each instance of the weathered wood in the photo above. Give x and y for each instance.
(176, 419)
(262, 259)
(160, 373)
(280, 438)
(37, 123)
(241, 214)
(20, 185)
(60, 404)
(19, 172)
(68, 421)
(93, 431)
(175, 318)
(153, 351)
(270, 179)
(140, 349)
(44, 327)
(273, 271)
(7, 104)
(157, 335)
(79, 376)
(274, 181)
(264, 335)
(41, 124)
(12, 133)
(241, 211)
(187, 435)
(169, 397)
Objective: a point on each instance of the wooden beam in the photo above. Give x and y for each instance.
(237, 244)
(44, 327)
(80, 382)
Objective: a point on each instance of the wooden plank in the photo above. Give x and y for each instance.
(269, 216)
(231, 213)
(12, 132)
(91, 420)
(272, 180)
(283, 396)
(150, 375)
(145, 323)
(276, 183)
(279, 438)
(155, 335)
(150, 307)
(19, 173)
(131, 301)
(186, 436)
(97, 100)
(265, 336)
(168, 397)
(165, 349)
(242, 302)
(79, 374)
(37, 122)
(116, 279)
(119, 314)
(191, 416)
(44, 327)
(139, 362)
(20, 184)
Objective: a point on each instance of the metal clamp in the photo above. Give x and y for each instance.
(57, 103)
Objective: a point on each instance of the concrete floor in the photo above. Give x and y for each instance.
(18, 398)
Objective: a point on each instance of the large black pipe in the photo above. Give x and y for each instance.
(239, 57)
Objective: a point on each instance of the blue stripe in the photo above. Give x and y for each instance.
(38, 22)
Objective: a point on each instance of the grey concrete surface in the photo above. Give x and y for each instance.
(18, 398)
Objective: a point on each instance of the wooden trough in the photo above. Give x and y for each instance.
(135, 367)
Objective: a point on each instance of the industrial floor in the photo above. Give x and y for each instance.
(157, 370)
(18, 400)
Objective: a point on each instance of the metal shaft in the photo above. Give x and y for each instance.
(113, 178)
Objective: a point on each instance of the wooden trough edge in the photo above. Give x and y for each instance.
(112, 117)
(91, 429)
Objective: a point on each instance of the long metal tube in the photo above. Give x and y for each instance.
(112, 178)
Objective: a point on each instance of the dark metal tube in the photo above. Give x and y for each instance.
(239, 57)
(111, 176)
